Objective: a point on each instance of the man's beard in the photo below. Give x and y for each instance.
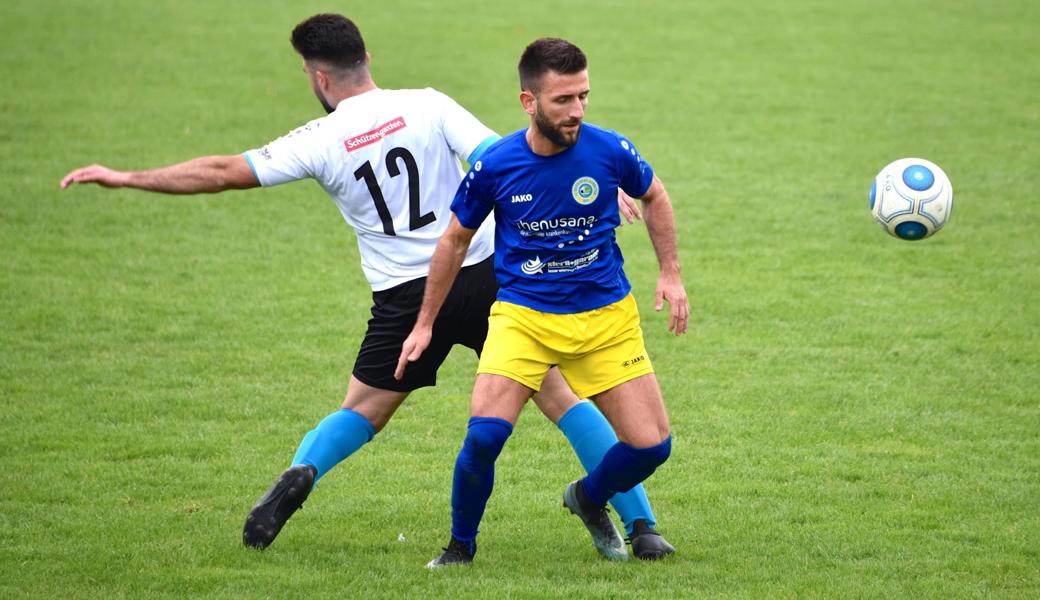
(555, 134)
(324, 103)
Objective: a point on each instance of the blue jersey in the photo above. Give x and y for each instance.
(555, 249)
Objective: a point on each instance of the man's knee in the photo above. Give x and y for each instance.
(485, 438)
(654, 456)
(555, 403)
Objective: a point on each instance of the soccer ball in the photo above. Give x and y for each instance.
(911, 198)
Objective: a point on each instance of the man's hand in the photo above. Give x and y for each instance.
(444, 266)
(96, 174)
(670, 289)
(412, 349)
(627, 206)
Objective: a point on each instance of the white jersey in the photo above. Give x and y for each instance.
(387, 158)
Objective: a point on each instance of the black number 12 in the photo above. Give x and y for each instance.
(415, 220)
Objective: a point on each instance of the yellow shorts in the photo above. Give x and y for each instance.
(595, 350)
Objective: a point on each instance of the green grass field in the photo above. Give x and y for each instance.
(854, 416)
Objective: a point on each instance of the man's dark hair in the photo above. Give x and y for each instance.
(330, 38)
(549, 54)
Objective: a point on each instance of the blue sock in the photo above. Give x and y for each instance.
(337, 436)
(591, 436)
(622, 468)
(475, 475)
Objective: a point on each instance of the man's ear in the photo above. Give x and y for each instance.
(528, 102)
(322, 78)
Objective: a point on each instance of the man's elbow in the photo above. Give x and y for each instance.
(232, 173)
(458, 242)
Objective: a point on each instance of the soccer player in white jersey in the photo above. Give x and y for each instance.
(387, 158)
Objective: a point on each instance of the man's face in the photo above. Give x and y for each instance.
(317, 79)
(559, 106)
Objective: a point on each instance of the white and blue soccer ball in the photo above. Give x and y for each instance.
(911, 198)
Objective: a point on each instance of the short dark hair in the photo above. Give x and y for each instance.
(549, 54)
(330, 38)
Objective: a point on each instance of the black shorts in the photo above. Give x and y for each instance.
(463, 320)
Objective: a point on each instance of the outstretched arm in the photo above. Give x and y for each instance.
(206, 174)
(444, 266)
(660, 223)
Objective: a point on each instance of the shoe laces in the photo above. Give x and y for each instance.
(603, 519)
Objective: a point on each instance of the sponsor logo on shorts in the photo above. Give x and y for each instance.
(585, 190)
(376, 135)
(634, 361)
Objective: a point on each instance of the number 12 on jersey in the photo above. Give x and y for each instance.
(366, 173)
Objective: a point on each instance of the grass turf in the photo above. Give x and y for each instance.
(854, 416)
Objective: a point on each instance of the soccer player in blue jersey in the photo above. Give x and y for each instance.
(563, 298)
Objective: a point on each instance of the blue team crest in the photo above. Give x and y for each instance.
(585, 190)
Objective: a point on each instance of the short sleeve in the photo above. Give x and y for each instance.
(466, 135)
(636, 174)
(289, 158)
(475, 197)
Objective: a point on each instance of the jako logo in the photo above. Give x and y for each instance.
(634, 361)
(522, 198)
(533, 266)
